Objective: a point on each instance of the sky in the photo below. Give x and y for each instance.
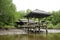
(46, 5)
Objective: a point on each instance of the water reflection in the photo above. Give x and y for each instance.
(30, 37)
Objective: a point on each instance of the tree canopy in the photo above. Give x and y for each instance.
(7, 11)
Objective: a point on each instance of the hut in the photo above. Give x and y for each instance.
(38, 14)
(35, 14)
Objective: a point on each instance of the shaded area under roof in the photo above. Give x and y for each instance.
(37, 14)
(30, 21)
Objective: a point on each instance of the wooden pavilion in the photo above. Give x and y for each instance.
(36, 14)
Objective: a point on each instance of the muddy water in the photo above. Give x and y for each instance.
(55, 36)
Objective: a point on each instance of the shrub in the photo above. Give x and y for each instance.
(1, 24)
(50, 25)
(57, 26)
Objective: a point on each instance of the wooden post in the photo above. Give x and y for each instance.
(34, 26)
(39, 24)
(46, 30)
(46, 33)
(28, 25)
(28, 20)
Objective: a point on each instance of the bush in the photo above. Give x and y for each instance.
(57, 26)
(1, 24)
(50, 25)
(8, 26)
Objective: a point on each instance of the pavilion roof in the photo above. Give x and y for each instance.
(38, 14)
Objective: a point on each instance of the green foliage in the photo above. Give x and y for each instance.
(50, 25)
(22, 14)
(54, 20)
(1, 24)
(19, 15)
(7, 12)
(57, 26)
(56, 17)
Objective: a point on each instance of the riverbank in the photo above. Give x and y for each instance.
(20, 31)
(12, 31)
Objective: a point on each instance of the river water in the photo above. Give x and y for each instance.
(51, 36)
